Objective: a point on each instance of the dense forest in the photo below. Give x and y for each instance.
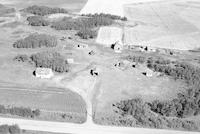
(37, 21)
(36, 41)
(13, 129)
(186, 104)
(43, 10)
(113, 17)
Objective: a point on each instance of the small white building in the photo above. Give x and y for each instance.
(70, 61)
(82, 46)
(44, 73)
(148, 73)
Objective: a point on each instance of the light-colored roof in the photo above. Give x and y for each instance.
(43, 71)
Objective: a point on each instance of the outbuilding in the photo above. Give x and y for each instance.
(82, 46)
(70, 61)
(43, 73)
(95, 71)
(117, 47)
(148, 73)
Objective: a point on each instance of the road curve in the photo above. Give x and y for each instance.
(59, 127)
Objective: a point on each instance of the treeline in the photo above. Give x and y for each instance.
(43, 10)
(135, 112)
(37, 21)
(6, 129)
(113, 17)
(36, 41)
(20, 111)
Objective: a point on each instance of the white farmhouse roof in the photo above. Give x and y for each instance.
(44, 73)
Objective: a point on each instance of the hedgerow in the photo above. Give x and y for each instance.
(20, 111)
(113, 17)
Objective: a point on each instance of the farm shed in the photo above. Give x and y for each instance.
(148, 73)
(43, 73)
(70, 61)
(82, 46)
(117, 47)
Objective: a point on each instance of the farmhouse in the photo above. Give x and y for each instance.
(44, 73)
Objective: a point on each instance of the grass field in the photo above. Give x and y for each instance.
(131, 83)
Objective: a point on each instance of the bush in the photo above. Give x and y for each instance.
(20, 111)
(43, 10)
(14, 129)
(113, 17)
(37, 21)
(6, 129)
(87, 33)
(36, 41)
(22, 58)
(51, 60)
